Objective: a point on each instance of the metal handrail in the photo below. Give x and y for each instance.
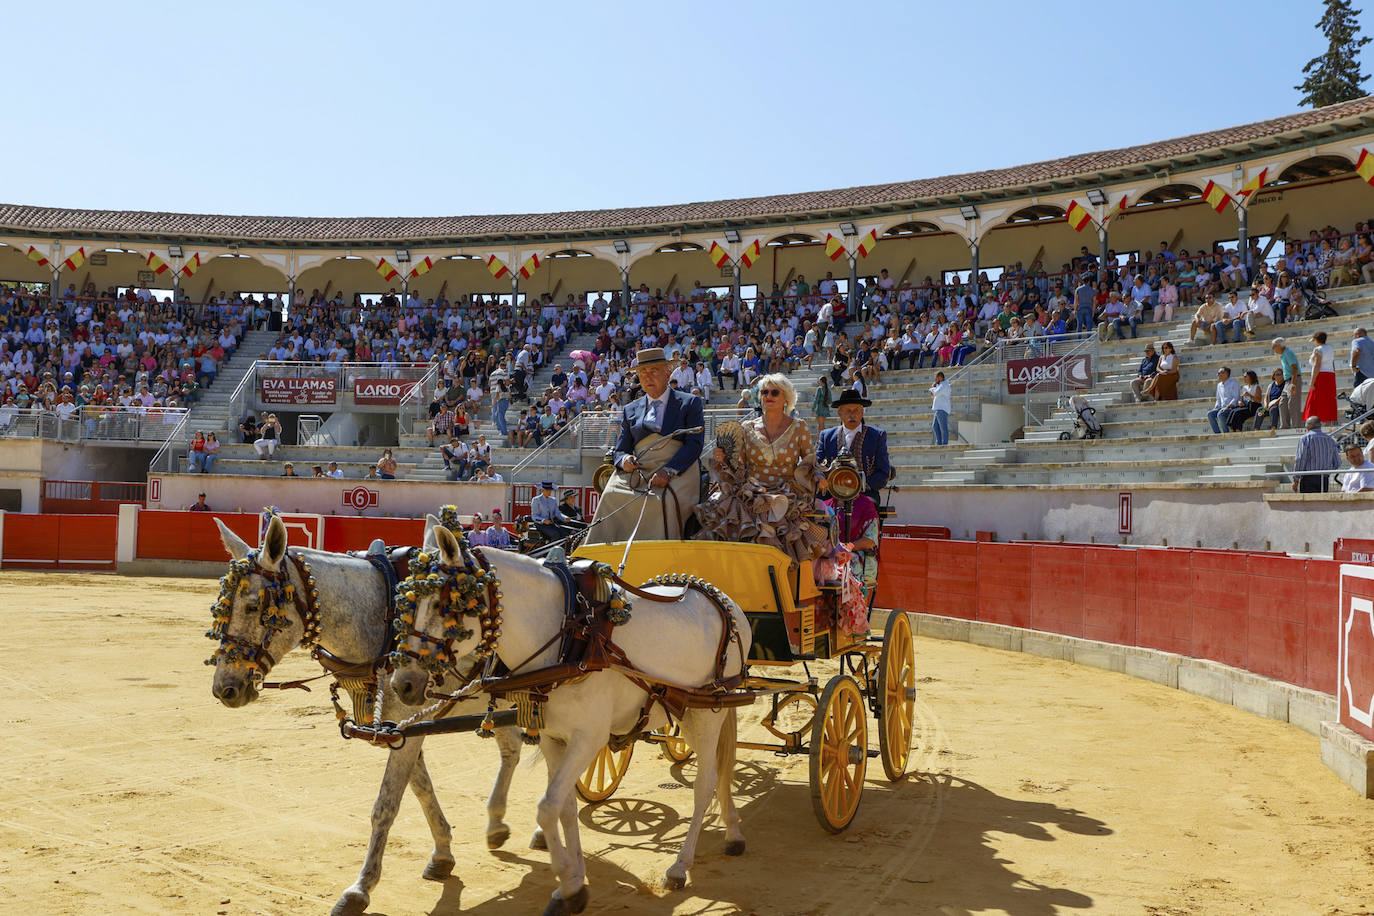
(1088, 342)
(412, 404)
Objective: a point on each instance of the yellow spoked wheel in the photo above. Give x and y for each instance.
(839, 753)
(675, 747)
(603, 776)
(897, 692)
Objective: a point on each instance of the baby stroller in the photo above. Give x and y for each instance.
(1085, 425)
(519, 385)
(1318, 306)
(1361, 400)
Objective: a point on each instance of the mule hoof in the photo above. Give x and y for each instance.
(734, 848)
(537, 841)
(574, 904)
(437, 869)
(351, 903)
(497, 838)
(674, 883)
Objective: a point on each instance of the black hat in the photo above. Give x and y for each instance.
(851, 396)
(546, 485)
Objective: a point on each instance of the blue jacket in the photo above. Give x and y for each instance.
(873, 458)
(683, 411)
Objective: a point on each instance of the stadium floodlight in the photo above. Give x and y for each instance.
(968, 211)
(622, 246)
(174, 251)
(1097, 197)
(848, 229)
(732, 235)
(402, 256)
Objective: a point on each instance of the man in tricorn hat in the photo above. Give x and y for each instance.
(659, 447)
(866, 443)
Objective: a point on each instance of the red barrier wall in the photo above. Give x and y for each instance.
(59, 541)
(342, 533)
(1266, 613)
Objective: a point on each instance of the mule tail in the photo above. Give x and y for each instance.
(726, 750)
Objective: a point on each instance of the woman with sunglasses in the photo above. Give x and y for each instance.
(763, 479)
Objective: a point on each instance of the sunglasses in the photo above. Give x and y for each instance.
(771, 392)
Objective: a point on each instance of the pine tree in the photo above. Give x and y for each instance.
(1335, 76)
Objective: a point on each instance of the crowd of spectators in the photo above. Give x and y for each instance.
(108, 350)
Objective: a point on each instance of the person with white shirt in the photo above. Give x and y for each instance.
(1228, 399)
(334, 471)
(1259, 312)
(941, 402)
(1232, 318)
(1360, 477)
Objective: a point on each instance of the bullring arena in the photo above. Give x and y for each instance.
(1143, 663)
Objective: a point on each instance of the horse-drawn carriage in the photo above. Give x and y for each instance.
(575, 662)
(793, 622)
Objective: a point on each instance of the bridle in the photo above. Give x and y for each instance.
(469, 590)
(275, 599)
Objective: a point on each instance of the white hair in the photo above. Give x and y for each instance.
(784, 384)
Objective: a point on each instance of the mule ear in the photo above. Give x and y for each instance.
(431, 523)
(235, 545)
(448, 547)
(273, 545)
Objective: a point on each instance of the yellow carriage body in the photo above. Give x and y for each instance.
(781, 599)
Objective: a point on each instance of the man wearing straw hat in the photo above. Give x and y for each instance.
(657, 452)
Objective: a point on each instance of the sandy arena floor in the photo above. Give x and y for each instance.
(1040, 788)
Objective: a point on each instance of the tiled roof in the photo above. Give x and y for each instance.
(363, 231)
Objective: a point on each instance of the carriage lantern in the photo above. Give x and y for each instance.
(844, 479)
(602, 475)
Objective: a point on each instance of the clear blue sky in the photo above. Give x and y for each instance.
(341, 108)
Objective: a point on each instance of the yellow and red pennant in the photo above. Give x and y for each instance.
(834, 248)
(868, 243)
(36, 255)
(422, 267)
(1216, 196)
(75, 261)
(191, 266)
(1254, 184)
(718, 255)
(530, 266)
(1078, 216)
(752, 254)
(156, 264)
(388, 272)
(497, 267)
(1365, 166)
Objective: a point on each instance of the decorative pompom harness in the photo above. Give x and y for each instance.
(274, 599)
(471, 590)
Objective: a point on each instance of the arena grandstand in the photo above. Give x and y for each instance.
(186, 351)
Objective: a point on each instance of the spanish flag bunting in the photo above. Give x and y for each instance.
(191, 266)
(1365, 166)
(530, 266)
(422, 267)
(386, 270)
(1120, 207)
(868, 243)
(1078, 216)
(834, 248)
(1216, 196)
(36, 255)
(752, 254)
(497, 268)
(74, 262)
(1254, 184)
(156, 264)
(718, 255)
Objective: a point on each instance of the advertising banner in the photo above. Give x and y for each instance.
(381, 392)
(1044, 372)
(312, 392)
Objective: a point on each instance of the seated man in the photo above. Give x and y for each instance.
(1228, 399)
(657, 453)
(1360, 477)
(1206, 318)
(455, 455)
(547, 517)
(1232, 318)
